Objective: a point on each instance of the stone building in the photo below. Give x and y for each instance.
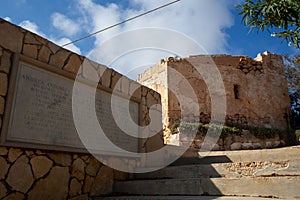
(255, 89)
(51, 164)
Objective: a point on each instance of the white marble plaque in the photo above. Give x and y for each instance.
(41, 113)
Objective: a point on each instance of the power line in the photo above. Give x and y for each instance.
(123, 22)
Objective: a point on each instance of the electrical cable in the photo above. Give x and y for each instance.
(123, 22)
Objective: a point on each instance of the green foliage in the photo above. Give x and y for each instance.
(297, 133)
(292, 71)
(263, 133)
(174, 127)
(280, 16)
(259, 132)
(203, 128)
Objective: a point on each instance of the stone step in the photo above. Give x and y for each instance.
(277, 187)
(181, 172)
(199, 160)
(227, 170)
(280, 154)
(180, 198)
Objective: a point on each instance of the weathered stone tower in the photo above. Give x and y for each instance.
(256, 89)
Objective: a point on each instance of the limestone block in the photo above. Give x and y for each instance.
(85, 158)
(53, 187)
(81, 197)
(268, 144)
(273, 170)
(75, 188)
(90, 71)
(78, 169)
(73, 64)
(216, 147)
(3, 190)
(44, 54)
(15, 196)
(93, 167)
(20, 177)
(5, 62)
(39, 152)
(2, 103)
(61, 159)
(13, 154)
(53, 47)
(30, 50)
(88, 182)
(275, 144)
(3, 151)
(145, 91)
(154, 143)
(247, 145)
(125, 85)
(135, 90)
(237, 138)
(41, 165)
(236, 146)
(101, 69)
(41, 40)
(151, 100)
(13, 37)
(3, 84)
(157, 96)
(257, 145)
(103, 183)
(30, 39)
(3, 168)
(116, 81)
(106, 78)
(228, 141)
(59, 58)
(29, 153)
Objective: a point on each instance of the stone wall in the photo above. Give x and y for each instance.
(39, 174)
(256, 89)
(242, 141)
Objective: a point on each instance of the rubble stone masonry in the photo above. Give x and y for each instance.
(48, 174)
(256, 89)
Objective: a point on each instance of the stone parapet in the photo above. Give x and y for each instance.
(256, 89)
(43, 173)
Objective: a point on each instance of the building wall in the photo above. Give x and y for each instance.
(48, 174)
(256, 89)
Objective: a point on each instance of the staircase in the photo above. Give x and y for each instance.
(250, 174)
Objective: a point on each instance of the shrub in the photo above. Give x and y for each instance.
(203, 128)
(297, 133)
(259, 132)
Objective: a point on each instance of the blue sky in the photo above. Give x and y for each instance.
(214, 24)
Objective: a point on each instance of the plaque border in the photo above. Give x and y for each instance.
(4, 139)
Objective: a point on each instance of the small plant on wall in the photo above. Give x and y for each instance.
(297, 133)
(259, 132)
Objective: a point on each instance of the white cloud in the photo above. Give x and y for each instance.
(100, 17)
(7, 19)
(31, 26)
(65, 24)
(70, 47)
(203, 21)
